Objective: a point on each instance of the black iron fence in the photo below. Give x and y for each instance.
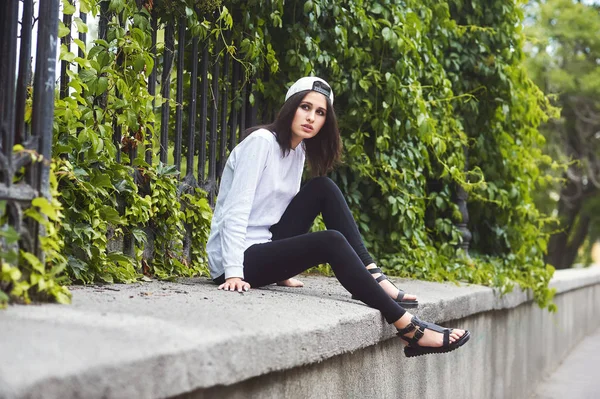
(22, 179)
(217, 106)
(209, 115)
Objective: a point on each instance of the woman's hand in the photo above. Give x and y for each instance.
(235, 284)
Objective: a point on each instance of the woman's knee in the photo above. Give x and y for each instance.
(333, 240)
(323, 184)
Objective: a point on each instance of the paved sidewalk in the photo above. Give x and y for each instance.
(578, 376)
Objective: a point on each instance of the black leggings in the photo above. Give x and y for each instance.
(293, 249)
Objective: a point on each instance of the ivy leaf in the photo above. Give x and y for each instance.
(376, 8)
(62, 30)
(139, 235)
(139, 63)
(308, 6)
(45, 207)
(87, 75)
(101, 180)
(65, 54)
(84, 6)
(80, 44)
(439, 201)
(111, 215)
(81, 26)
(387, 33)
(34, 262)
(68, 8)
(102, 85)
(10, 234)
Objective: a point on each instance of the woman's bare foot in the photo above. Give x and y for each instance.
(291, 282)
(430, 338)
(389, 288)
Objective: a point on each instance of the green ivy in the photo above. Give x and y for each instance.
(430, 96)
(23, 276)
(109, 192)
(197, 217)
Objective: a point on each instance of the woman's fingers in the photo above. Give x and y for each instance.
(238, 285)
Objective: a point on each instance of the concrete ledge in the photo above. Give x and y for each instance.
(156, 339)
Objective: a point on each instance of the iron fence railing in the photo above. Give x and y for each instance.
(216, 102)
(195, 132)
(22, 179)
(218, 107)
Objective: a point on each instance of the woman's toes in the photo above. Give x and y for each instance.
(291, 282)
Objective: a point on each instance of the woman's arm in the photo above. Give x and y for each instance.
(250, 161)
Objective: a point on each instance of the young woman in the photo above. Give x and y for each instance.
(259, 232)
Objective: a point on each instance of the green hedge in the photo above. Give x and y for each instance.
(421, 87)
(418, 84)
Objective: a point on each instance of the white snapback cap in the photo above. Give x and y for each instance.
(311, 83)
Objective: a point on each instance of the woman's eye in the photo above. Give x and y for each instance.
(321, 112)
(305, 107)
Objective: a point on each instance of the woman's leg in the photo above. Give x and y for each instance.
(322, 195)
(281, 259)
(278, 260)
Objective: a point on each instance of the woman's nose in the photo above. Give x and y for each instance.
(310, 117)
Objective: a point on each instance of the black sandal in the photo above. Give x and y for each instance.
(414, 349)
(405, 304)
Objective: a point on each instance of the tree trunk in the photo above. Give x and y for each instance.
(568, 210)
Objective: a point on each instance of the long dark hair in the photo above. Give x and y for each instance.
(322, 151)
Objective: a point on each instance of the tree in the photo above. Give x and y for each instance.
(564, 60)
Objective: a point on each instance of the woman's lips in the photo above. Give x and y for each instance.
(308, 128)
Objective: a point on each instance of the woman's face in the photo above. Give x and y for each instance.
(309, 118)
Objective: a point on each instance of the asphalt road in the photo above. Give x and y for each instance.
(578, 376)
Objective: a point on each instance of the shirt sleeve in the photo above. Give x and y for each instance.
(250, 162)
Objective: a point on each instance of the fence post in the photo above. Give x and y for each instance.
(165, 89)
(214, 125)
(151, 85)
(224, 98)
(24, 77)
(43, 94)
(203, 114)
(189, 178)
(64, 65)
(179, 95)
(233, 118)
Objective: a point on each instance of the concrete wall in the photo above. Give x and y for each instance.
(511, 350)
(189, 340)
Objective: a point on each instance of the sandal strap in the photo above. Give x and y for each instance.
(420, 326)
(414, 340)
(409, 328)
(400, 295)
(375, 270)
(418, 335)
(383, 277)
(433, 327)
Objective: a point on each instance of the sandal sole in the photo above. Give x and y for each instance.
(410, 351)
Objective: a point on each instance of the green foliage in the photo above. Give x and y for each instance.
(197, 217)
(109, 193)
(431, 96)
(23, 276)
(418, 85)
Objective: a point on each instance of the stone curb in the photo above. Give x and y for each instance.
(163, 339)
